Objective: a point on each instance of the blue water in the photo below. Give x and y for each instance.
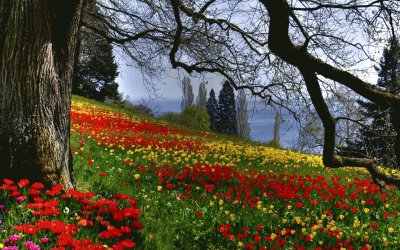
(261, 119)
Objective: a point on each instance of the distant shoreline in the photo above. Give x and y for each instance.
(261, 121)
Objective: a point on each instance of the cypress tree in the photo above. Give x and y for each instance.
(212, 109)
(188, 96)
(227, 110)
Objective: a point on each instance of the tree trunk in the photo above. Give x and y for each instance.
(395, 120)
(37, 46)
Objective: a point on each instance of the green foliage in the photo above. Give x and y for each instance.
(194, 117)
(377, 139)
(253, 197)
(389, 68)
(227, 111)
(212, 109)
(138, 109)
(172, 117)
(95, 69)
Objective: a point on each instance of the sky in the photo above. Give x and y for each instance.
(131, 83)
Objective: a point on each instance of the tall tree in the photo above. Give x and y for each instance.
(202, 95)
(212, 109)
(188, 96)
(277, 126)
(243, 124)
(377, 136)
(227, 122)
(310, 44)
(37, 46)
(95, 70)
(305, 38)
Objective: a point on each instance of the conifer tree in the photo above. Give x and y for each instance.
(95, 69)
(227, 110)
(212, 109)
(242, 116)
(377, 139)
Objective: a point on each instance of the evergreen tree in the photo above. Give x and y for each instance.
(188, 96)
(242, 116)
(377, 138)
(227, 110)
(212, 109)
(202, 96)
(95, 69)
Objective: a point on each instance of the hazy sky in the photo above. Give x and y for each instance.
(131, 83)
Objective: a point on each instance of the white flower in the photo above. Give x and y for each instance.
(66, 210)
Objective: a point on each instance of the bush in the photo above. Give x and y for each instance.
(195, 117)
(143, 109)
(172, 117)
(139, 109)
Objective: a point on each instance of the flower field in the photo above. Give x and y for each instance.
(145, 184)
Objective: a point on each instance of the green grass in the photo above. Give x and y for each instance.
(171, 222)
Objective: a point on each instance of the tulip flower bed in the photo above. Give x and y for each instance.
(198, 191)
(37, 218)
(150, 185)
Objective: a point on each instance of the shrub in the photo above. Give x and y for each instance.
(172, 117)
(143, 109)
(195, 117)
(139, 109)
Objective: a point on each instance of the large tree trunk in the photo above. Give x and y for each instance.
(395, 120)
(37, 46)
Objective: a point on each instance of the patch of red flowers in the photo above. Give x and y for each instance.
(114, 221)
(122, 131)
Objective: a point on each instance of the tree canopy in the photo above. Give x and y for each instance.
(284, 51)
(287, 52)
(376, 137)
(96, 70)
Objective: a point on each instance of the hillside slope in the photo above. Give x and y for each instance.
(197, 190)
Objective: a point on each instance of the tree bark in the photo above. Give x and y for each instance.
(395, 120)
(280, 44)
(37, 46)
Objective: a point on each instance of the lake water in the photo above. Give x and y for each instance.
(261, 119)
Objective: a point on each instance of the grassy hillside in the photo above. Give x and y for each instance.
(152, 185)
